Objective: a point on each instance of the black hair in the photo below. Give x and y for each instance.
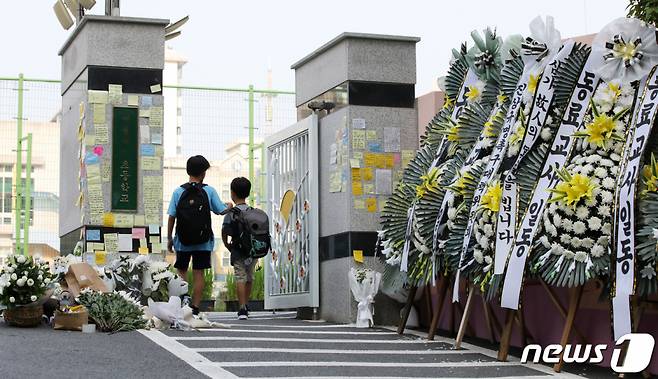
(241, 187)
(197, 165)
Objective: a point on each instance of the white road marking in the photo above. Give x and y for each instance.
(189, 356)
(298, 332)
(323, 351)
(311, 326)
(365, 364)
(314, 340)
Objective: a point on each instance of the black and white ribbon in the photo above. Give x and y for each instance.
(624, 228)
(506, 225)
(563, 142)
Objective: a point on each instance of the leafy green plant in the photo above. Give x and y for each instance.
(113, 312)
(208, 279)
(645, 10)
(257, 289)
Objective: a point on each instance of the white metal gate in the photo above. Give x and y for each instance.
(292, 269)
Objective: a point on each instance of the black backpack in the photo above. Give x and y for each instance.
(251, 232)
(193, 225)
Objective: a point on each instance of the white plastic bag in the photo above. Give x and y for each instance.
(364, 293)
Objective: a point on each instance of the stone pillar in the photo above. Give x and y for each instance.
(111, 136)
(363, 144)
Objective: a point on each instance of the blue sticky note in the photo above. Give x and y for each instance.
(147, 150)
(91, 158)
(374, 147)
(146, 101)
(93, 235)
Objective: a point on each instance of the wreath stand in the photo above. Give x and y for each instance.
(490, 318)
(638, 306)
(407, 309)
(442, 286)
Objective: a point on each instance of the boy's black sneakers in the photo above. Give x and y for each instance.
(243, 314)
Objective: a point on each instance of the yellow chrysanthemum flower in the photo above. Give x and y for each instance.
(650, 176)
(572, 189)
(501, 98)
(601, 129)
(453, 133)
(448, 102)
(533, 82)
(489, 130)
(429, 182)
(473, 93)
(459, 186)
(517, 136)
(615, 88)
(491, 198)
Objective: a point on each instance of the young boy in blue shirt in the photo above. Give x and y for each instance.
(194, 237)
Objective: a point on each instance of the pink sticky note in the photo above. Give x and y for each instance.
(139, 233)
(98, 150)
(396, 159)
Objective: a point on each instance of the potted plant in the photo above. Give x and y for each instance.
(257, 298)
(23, 282)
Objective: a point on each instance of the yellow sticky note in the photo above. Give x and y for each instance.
(366, 173)
(100, 257)
(156, 88)
(154, 239)
(156, 248)
(90, 246)
(369, 159)
(133, 100)
(144, 112)
(123, 220)
(359, 204)
(389, 160)
(371, 135)
(355, 163)
(357, 189)
(142, 242)
(108, 219)
(371, 204)
(143, 250)
(90, 139)
(357, 155)
(358, 255)
(369, 188)
(159, 151)
(97, 97)
(98, 246)
(356, 174)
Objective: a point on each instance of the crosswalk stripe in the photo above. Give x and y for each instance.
(364, 341)
(324, 351)
(364, 364)
(231, 330)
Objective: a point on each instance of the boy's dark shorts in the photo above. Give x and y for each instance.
(200, 260)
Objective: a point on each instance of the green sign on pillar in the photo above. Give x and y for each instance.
(124, 158)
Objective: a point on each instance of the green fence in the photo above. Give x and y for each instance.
(227, 125)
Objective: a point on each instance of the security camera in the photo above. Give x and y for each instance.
(317, 106)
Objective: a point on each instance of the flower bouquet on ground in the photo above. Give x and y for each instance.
(23, 283)
(364, 284)
(113, 311)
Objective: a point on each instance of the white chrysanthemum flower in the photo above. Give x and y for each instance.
(33, 298)
(606, 228)
(580, 256)
(544, 242)
(614, 170)
(20, 259)
(557, 249)
(12, 299)
(567, 225)
(608, 183)
(21, 282)
(604, 210)
(47, 280)
(598, 251)
(552, 207)
(579, 227)
(484, 242)
(452, 213)
(582, 212)
(594, 223)
(451, 225)
(606, 162)
(603, 241)
(600, 172)
(513, 150)
(655, 234)
(30, 282)
(568, 254)
(565, 238)
(557, 220)
(488, 230)
(567, 210)
(587, 242)
(14, 276)
(606, 197)
(478, 255)
(575, 242)
(546, 134)
(615, 157)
